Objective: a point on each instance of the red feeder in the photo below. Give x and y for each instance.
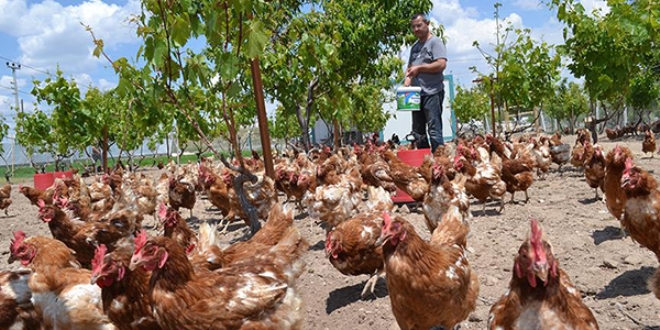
(412, 158)
(62, 175)
(43, 180)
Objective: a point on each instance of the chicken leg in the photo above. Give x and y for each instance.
(226, 222)
(526, 197)
(7, 212)
(371, 283)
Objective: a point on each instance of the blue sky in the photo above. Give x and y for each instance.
(43, 34)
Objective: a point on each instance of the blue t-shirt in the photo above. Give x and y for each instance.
(427, 52)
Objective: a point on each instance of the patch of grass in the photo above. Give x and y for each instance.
(25, 173)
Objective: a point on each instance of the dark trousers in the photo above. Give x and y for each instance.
(429, 119)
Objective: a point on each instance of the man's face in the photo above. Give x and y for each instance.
(419, 27)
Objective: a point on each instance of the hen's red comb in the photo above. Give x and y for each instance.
(386, 218)
(99, 254)
(536, 231)
(162, 211)
(140, 240)
(19, 237)
(629, 163)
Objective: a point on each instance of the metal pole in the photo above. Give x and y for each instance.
(13, 145)
(492, 109)
(14, 67)
(261, 117)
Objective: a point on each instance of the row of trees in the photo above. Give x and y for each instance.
(330, 60)
(615, 54)
(321, 59)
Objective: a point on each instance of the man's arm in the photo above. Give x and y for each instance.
(436, 66)
(433, 67)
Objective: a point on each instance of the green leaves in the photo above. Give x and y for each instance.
(526, 69)
(180, 31)
(608, 50)
(568, 102)
(257, 36)
(351, 48)
(470, 104)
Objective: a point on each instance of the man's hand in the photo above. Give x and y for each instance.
(412, 71)
(406, 82)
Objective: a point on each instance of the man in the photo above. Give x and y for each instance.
(428, 59)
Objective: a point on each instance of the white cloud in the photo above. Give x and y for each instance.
(105, 85)
(465, 25)
(597, 5)
(8, 81)
(49, 33)
(83, 81)
(449, 11)
(528, 4)
(550, 32)
(461, 36)
(5, 102)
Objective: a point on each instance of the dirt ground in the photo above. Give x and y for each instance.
(611, 272)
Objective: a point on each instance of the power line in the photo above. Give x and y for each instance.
(40, 70)
(29, 67)
(11, 89)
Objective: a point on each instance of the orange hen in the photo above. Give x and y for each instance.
(429, 284)
(540, 295)
(124, 292)
(615, 196)
(248, 295)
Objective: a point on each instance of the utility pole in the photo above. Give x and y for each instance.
(13, 66)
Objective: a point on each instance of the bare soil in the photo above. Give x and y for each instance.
(610, 271)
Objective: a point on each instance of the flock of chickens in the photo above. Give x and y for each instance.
(101, 270)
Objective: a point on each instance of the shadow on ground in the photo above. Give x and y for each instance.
(347, 295)
(630, 283)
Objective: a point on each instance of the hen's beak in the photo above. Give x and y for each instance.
(625, 181)
(382, 240)
(95, 277)
(92, 242)
(135, 263)
(11, 259)
(541, 271)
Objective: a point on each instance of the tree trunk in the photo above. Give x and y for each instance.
(105, 150)
(304, 120)
(168, 147)
(337, 130)
(57, 163)
(572, 123)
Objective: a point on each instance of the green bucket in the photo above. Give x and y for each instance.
(408, 98)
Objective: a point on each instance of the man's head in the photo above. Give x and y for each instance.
(420, 25)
